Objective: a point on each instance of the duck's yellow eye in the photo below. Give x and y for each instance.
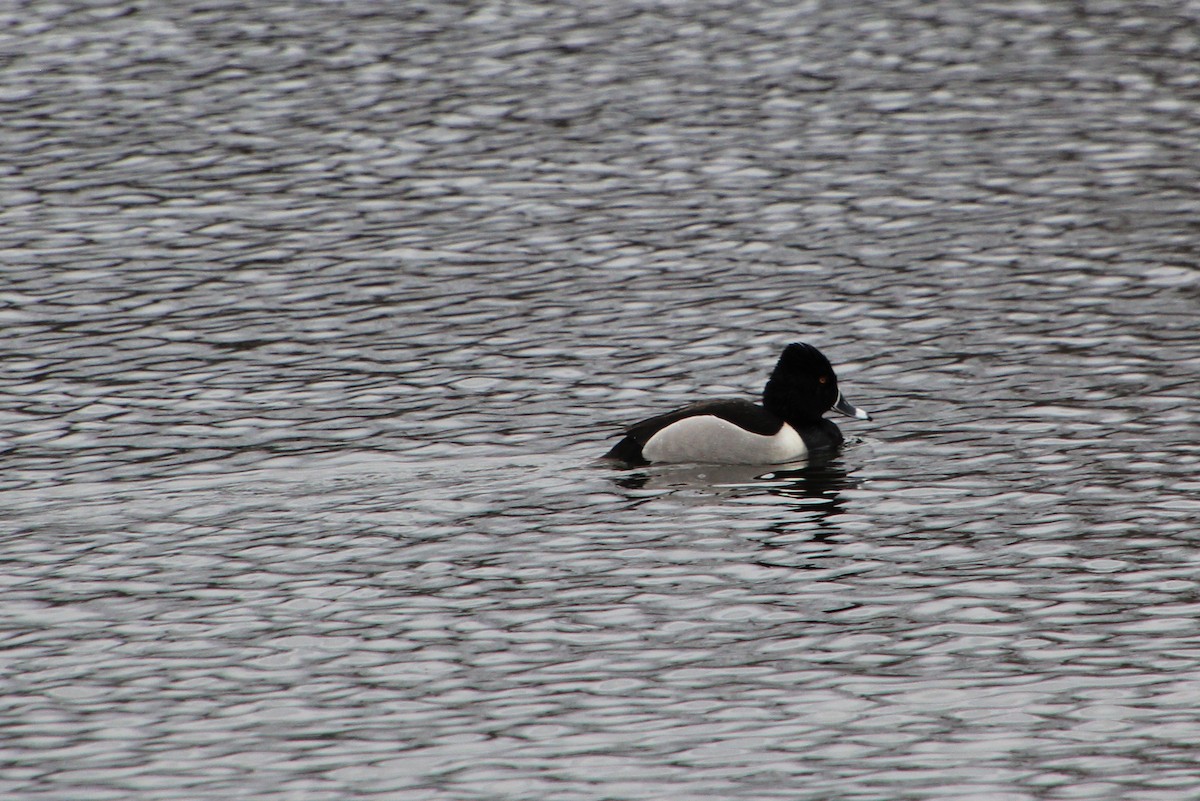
(824, 379)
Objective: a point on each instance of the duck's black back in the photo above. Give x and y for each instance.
(741, 413)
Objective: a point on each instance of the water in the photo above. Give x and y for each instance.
(317, 317)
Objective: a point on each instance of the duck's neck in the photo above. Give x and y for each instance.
(795, 415)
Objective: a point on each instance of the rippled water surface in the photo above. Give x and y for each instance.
(317, 316)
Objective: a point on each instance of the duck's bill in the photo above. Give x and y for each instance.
(847, 408)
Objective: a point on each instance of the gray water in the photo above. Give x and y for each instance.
(316, 317)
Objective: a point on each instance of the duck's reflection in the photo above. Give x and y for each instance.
(812, 488)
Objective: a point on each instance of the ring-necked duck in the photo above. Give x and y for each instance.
(786, 428)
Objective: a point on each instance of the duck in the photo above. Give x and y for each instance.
(787, 426)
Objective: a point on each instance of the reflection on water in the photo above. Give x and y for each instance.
(810, 489)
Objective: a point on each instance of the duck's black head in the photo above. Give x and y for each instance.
(803, 387)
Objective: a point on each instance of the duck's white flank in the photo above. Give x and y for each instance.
(709, 439)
